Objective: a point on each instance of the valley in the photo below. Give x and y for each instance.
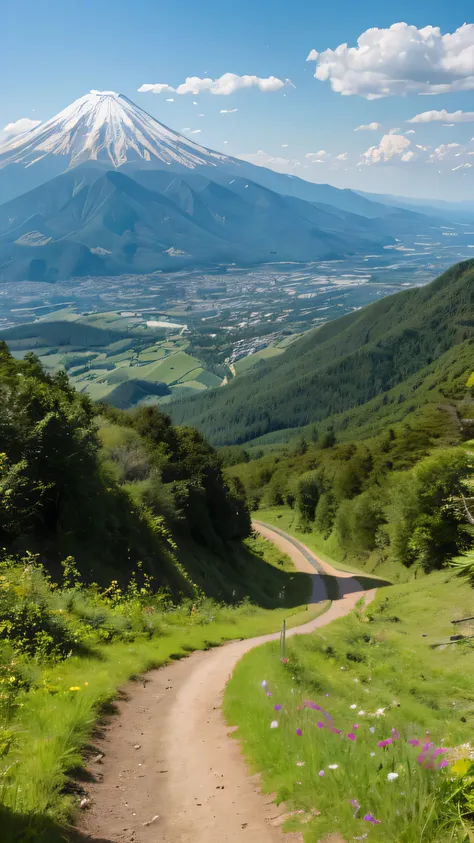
(175, 335)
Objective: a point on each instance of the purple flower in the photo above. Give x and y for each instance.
(311, 704)
(299, 732)
(277, 707)
(396, 735)
(385, 743)
(414, 742)
(321, 773)
(371, 819)
(269, 694)
(320, 725)
(444, 763)
(351, 736)
(355, 805)
(355, 726)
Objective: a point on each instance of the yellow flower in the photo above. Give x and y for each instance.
(75, 688)
(86, 684)
(461, 766)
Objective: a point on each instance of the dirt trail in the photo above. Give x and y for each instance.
(170, 773)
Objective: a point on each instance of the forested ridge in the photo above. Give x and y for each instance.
(342, 365)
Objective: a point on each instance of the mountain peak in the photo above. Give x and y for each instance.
(105, 126)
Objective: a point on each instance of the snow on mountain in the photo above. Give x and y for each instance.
(105, 126)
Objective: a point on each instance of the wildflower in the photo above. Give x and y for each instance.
(372, 754)
(321, 773)
(269, 694)
(380, 712)
(299, 732)
(333, 766)
(75, 688)
(284, 661)
(444, 763)
(372, 729)
(351, 736)
(392, 776)
(356, 680)
(396, 735)
(86, 684)
(355, 726)
(414, 742)
(264, 683)
(320, 725)
(353, 705)
(277, 707)
(385, 743)
(274, 724)
(361, 713)
(300, 763)
(355, 804)
(371, 819)
(311, 704)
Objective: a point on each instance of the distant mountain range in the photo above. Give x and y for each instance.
(105, 189)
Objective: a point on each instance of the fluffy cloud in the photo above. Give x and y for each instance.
(410, 132)
(225, 85)
(342, 156)
(391, 146)
(444, 116)
(263, 159)
(400, 60)
(367, 127)
(228, 110)
(317, 156)
(24, 124)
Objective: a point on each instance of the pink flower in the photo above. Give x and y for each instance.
(269, 694)
(355, 726)
(385, 743)
(444, 763)
(414, 742)
(320, 725)
(311, 704)
(284, 661)
(396, 735)
(351, 736)
(321, 773)
(299, 732)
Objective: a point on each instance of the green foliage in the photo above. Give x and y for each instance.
(342, 365)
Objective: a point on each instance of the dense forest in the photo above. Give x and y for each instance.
(342, 365)
(110, 488)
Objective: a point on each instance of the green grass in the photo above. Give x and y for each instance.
(358, 665)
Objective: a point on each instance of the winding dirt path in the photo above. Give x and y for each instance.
(170, 773)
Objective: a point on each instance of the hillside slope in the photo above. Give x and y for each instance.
(343, 364)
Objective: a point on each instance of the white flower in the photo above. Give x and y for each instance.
(333, 766)
(380, 712)
(356, 680)
(372, 754)
(274, 724)
(392, 776)
(264, 683)
(372, 729)
(353, 706)
(300, 763)
(360, 713)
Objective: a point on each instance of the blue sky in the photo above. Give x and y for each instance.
(55, 51)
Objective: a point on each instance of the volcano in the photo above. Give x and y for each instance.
(103, 188)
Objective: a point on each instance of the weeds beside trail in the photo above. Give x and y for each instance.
(365, 730)
(63, 654)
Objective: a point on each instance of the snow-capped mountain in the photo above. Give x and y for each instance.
(105, 126)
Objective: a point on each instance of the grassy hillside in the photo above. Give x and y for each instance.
(342, 365)
(371, 720)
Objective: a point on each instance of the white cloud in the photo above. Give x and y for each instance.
(284, 145)
(394, 131)
(400, 60)
(410, 132)
(24, 124)
(444, 116)
(462, 167)
(368, 127)
(407, 156)
(389, 147)
(342, 156)
(447, 125)
(170, 99)
(263, 159)
(228, 110)
(223, 86)
(317, 155)
(196, 131)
